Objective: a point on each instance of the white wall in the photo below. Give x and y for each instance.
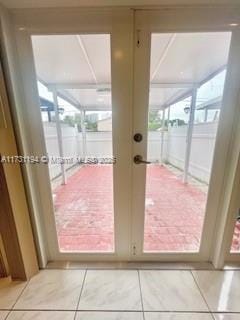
(99, 144)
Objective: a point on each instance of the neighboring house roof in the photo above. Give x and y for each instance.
(47, 105)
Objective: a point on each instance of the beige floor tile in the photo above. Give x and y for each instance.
(41, 315)
(220, 289)
(177, 316)
(235, 316)
(111, 290)
(3, 315)
(109, 316)
(52, 290)
(9, 292)
(170, 291)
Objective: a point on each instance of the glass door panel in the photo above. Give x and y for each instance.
(235, 247)
(187, 74)
(74, 85)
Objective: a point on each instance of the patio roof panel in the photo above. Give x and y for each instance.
(58, 58)
(189, 56)
(82, 63)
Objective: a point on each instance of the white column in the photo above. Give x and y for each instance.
(84, 137)
(59, 134)
(162, 135)
(189, 135)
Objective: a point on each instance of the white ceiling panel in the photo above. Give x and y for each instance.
(191, 57)
(61, 59)
(185, 58)
(85, 60)
(159, 48)
(92, 98)
(158, 97)
(99, 52)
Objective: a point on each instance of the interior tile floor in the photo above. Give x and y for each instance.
(174, 211)
(123, 295)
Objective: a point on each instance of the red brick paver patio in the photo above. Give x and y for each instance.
(84, 211)
(174, 212)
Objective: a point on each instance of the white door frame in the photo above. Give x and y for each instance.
(172, 20)
(118, 23)
(223, 254)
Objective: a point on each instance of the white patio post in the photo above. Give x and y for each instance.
(76, 139)
(168, 121)
(162, 135)
(205, 115)
(189, 135)
(84, 137)
(59, 134)
(168, 117)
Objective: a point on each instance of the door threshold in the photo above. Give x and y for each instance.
(232, 266)
(71, 265)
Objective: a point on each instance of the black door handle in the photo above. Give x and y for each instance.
(139, 160)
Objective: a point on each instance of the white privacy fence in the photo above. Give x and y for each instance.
(203, 142)
(71, 145)
(99, 144)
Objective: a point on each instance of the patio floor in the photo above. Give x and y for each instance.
(174, 211)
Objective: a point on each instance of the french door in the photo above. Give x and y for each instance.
(153, 91)
(78, 87)
(183, 99)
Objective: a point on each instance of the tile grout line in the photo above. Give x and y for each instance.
(9, 311)
(12, 308)
(201, 293)
(124, 311)
(140, 288)
(84, 278)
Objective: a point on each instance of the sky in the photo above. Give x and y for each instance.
(208, 91)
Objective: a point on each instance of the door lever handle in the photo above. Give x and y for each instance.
(139, 160)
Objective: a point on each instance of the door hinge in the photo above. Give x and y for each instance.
(134, 250)
(138, 38)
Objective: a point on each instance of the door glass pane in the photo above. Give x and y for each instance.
(77, 69)
(235, 248)
(187, 77)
